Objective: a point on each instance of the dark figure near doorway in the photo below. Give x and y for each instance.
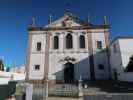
(69, 73)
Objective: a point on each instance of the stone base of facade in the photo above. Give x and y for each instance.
(50, 82)
(41, 82)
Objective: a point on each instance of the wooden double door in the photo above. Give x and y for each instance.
(69, 73)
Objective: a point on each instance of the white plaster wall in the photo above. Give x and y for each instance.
(126, 77)
(120, 59)
(81, 65)
(115, 57)
(62, 41)
(98, 35)
(38, 37)
(126, 47)
(37, 57)
(100, 56)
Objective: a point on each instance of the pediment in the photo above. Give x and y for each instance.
(68, 20)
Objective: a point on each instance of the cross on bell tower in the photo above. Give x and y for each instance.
(67, 9)
(33, 21)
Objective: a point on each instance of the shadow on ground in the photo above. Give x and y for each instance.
(110, 86)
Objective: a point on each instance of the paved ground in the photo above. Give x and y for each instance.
(56, 98)
(11, 99)
(61, 98)
(103, 90)
(108, 87)
(114, 96)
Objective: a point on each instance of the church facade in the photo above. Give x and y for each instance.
(68, 49)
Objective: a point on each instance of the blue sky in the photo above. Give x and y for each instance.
(16, 15)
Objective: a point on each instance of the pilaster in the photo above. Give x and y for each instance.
(28, 56)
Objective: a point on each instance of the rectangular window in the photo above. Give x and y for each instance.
(101, 66)
(99, 44)
(38, 46)
(37, 67)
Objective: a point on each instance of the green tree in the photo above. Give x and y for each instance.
(1, 65)
(129, 67)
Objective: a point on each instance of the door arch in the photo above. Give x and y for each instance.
(69, 73)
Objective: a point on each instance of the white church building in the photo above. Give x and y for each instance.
(68, 49)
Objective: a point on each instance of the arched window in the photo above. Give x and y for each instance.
(56, 42)
(69, 41)
(82, 41)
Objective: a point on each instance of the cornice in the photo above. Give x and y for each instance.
(68, 28)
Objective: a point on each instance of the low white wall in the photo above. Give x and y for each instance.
(5, 77)
(126, 77)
